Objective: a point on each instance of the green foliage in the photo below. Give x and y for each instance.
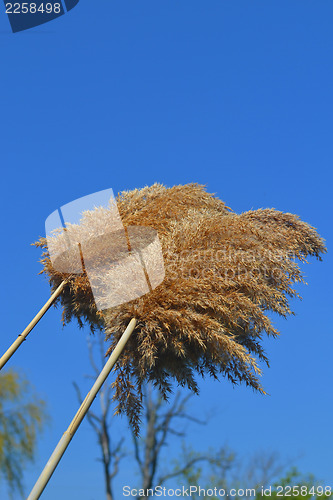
(298, 486)
(262, 478)
(22, 416)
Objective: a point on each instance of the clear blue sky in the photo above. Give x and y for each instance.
(233, 94)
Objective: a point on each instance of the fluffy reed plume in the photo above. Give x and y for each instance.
(224, 272)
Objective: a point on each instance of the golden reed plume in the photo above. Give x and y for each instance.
(223, 273)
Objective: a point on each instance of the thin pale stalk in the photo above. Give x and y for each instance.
(15, 345)
(68, 435)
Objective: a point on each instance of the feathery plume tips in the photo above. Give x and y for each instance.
(223, 273)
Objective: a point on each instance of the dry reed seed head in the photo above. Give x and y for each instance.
(223, 272)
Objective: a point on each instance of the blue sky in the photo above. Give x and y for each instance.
(235, 95)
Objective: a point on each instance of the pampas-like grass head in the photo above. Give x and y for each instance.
(223, 273)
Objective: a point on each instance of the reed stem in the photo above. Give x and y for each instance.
(15, 345)
(68, 435)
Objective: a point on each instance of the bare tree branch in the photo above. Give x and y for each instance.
(111, 455)
(181, 471)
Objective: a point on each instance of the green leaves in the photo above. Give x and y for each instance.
(22, 416)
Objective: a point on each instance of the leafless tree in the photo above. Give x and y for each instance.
(111, 452)
(160, 422)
